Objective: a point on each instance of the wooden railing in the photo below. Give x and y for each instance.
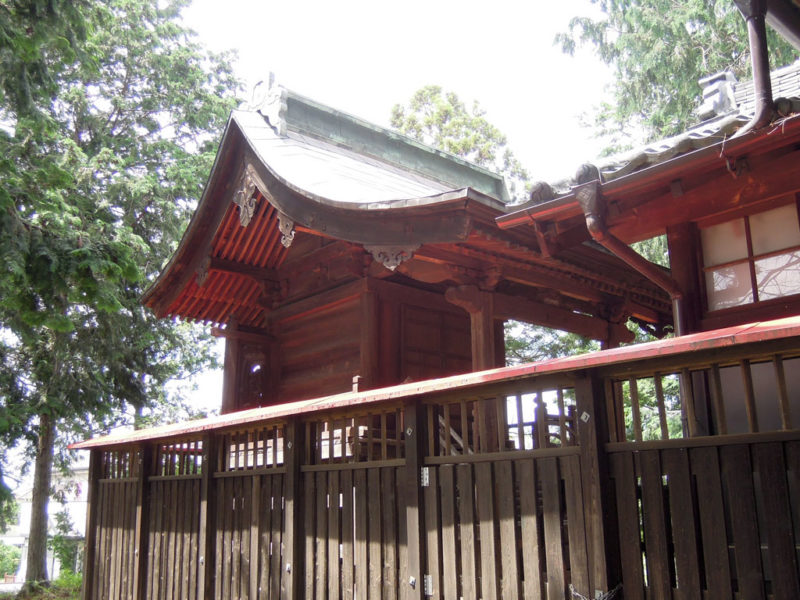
(527, 486)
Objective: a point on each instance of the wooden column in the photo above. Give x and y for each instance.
(411, 491)
(480, 306)
(684, 257)
(370, 347)
(293, 530)
(140, 574)
(207, 536)
(604, 570)
(230, 375)
(92, 514)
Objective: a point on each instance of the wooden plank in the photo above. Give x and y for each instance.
(504, 490)
(576, 525)
(675, 464)
(529, 527)
(737, 478)
(361, 536)
(288, 554)
(687, 395)
(255, 538)
(92, 517)
(553, 545)
(411, 530)
(489, 556)
(389, 526)
(374, 533)
(334, 582)
(188, 547)
(705, 467)
(227, 531)
(450, 567)
(466, 518)
(348, 542)
(655, 531)
(236, 533)
(433, 529)
(279, 534)
(562, 416)
(309, 495)
(630, 545)
(770, 469)
(195, 565)
(542, 434)
(320, 541)
(265, 536)
(217, 558)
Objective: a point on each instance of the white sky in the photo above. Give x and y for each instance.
(364, 56)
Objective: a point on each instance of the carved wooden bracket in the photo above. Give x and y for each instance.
(391, 256)
(244, 198)
(286, 227)
(467, 297)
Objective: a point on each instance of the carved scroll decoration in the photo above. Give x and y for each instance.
(391, 256)
(244, 198)
(286, 227)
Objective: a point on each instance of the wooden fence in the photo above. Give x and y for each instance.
(582, 480)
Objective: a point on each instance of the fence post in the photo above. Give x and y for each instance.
(291, 586)
(92, 514)
(411, 491)
(592, 426)
(207, 535)
(140, 575)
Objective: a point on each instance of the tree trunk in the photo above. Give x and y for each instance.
(37, 541)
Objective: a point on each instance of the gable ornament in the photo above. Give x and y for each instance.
(391, 256)
(286, 227)
(245, 199)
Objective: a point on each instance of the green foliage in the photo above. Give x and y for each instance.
(440, 119)
(648, 408)
(529, 343)
(66, 587)
(9, 559)
(108, 137)
(65, 544)
(658, 50)
(9, 509)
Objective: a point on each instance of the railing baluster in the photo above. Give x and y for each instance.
(749, 396)
(562, 417)
(635, 413)
(662, 408)
(520, 422)
(783, 396)
(541, 420)
(448, 434)
(718, 401)
(688, 399)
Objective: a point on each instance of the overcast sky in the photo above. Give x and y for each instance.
(364, 56)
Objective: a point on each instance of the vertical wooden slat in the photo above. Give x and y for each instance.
(432, 525)
(771, 472)
(265, 548)
(705, 467)
(361, 535)
(486, 525)
(542, 433)
(450, 567)
(737, 477)
(504, 486)
(687, 394)
(783, 395)
(217, 557)
(576, 524)
(613, 417)
(334, 583)
(281, 568)
(464, 428)
(255, 524)
(529, 528)
(320, 542)
(188, 526)
(411, 494)
(655, 532)
(348, 545)
(628, 517)
(227, 532)
(448, 434)
(675, 463)
(309, 504)
(466, 517)
(562, 416)
(290, 549)
(374, 533)
(92, 514)
(389, 526)
(553, 545)
(749, 396)
(384, 437)
(520, 422)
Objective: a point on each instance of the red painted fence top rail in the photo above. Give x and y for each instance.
(719, 338)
